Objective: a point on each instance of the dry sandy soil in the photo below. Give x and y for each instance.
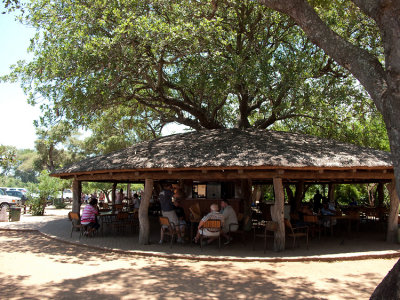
(33, 266)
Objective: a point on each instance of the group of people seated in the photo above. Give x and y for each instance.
(134, 200)
(176, 215)
(228, 218)
(320, 206)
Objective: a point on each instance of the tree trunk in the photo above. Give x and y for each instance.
(389, 288)
(144, 224)
(394, 138)
(391, 236)
(371, 197)
(381, 82)
(277, 215)
(76, 196)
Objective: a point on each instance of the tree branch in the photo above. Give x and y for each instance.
(359, 62)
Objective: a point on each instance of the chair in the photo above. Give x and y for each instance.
(121, 221)
(296, 232)
(118, 207)
(214, 226)
(134, 219)
(194, 217)
(76, 224)
(168, 228)
(269, 227)
(195, 212)
(314, 225)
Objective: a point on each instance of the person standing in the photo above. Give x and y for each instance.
(136, 201)
(317, 202)
(119, 197)
(168, 209)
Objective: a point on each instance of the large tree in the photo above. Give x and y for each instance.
(380, 76)
(207, 64)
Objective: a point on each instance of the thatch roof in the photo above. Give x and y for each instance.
(234, 148)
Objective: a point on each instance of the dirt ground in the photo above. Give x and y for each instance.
(33, 266)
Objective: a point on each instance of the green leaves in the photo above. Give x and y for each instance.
(204, 64)
(7, 158)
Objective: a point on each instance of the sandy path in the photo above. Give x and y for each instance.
(35, 267)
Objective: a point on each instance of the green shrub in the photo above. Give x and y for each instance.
(60, 204)
(37, 206)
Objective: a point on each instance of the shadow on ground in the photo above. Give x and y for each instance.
(157, 278)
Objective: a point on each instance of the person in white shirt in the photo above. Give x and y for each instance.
(230, 220)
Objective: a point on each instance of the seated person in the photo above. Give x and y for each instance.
(325, 211)
(89, 214)
(306, 210)
(215, 215)
(229, 218)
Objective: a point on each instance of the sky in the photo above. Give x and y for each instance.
(17, 116)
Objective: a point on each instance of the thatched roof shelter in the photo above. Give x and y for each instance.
(236, 154)
(238, 158)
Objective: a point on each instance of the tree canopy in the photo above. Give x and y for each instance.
(130, 67)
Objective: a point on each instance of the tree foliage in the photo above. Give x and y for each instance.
(7, 158)
(47, 188)
(138, 65)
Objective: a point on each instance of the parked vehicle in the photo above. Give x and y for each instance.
(67, 195)
(18, 194)
(23, 190)
(6, 200)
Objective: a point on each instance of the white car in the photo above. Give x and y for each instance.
(67, 195)
(23, 190)
(7, 201)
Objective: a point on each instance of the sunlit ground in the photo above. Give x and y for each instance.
(35, 267)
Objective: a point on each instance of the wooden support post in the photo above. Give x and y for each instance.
(76, 196)
(381, 196)
(331, 192)
(246, 185)
(113, 193)
(299, 194)
(128, 191)
(278, 215)
(391, 235)
(144, 224)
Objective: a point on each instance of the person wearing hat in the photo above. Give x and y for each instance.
(230, 220)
